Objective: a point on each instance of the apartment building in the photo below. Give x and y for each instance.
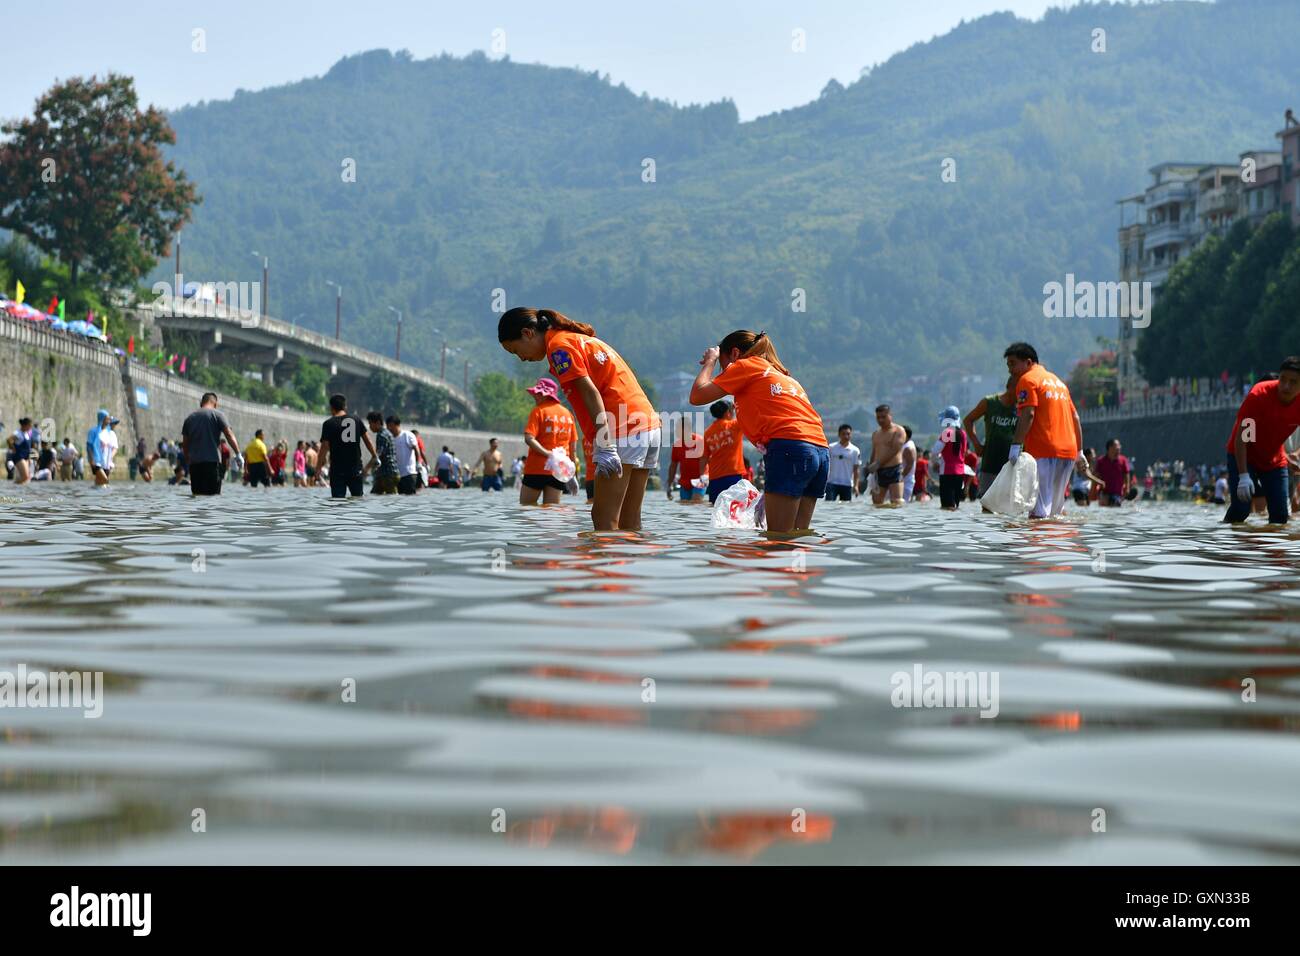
(1184, 204)
(1290, 173)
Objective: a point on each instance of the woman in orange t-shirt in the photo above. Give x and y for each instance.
(607, 400)
(550, 426)
(777, 418)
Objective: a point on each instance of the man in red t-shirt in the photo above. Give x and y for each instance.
(1116, 472)
(1256, 457)
(685, 464)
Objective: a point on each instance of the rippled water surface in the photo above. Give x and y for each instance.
(528, 693)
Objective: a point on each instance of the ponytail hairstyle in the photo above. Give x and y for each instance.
(750, 344)
(541, 321)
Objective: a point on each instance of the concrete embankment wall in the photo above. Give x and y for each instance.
(1194, 437)
(50, 375)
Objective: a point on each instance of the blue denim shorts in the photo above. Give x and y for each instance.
(797, 468)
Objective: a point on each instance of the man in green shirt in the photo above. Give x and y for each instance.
(999, 415)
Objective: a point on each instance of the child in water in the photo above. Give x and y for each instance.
(778, 419)
(550, 425)
(607, 400)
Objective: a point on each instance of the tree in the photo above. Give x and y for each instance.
(85, 180)
(503, 405)
(309, 382)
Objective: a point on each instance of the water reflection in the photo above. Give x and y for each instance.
(528, 692)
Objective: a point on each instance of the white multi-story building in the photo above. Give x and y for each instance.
(1184, 204)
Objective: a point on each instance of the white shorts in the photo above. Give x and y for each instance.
(640, 450)
(909, 482)
(1054, 476)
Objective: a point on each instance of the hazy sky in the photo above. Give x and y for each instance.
(684, 50)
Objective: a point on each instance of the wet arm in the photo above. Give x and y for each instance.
(1023, 424)
(590, 396)
(968, 423)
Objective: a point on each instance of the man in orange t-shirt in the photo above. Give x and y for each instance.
(724, 449)
(1048, 427)
(686, 464)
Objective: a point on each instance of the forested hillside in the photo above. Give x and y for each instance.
(475, 174)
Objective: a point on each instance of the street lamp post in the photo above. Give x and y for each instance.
(338, 309)
(266, 275)
(467, 378)
(398, 356)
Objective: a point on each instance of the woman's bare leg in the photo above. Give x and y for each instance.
(610, 490)
(803, 519)
(782, 511)
(551, 496)
(629, 516)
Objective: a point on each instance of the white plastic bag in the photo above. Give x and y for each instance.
(1015, 490)
(737, 506)
(559, 464)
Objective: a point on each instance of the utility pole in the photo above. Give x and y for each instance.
(442, 374)
(338, 308)
(398, 356)
(266, 272)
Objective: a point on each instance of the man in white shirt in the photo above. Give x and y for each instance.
(457, 471)
(846, 458)
(444, 468)
(909, 464)
(406, 448)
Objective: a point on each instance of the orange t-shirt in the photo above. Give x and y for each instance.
(572, 356)
(723, 442)
(1052, 434)
(770, 404)
(553, 426)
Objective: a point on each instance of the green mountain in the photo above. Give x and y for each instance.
(475, 174)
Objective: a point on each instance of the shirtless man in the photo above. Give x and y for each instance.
(887, 458)
(491, 461)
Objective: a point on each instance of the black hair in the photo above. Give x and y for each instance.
(208, 397)
(1021, 350)
(258, 433)
(339, 402)
(511, 325)
(394, 420)
(374, 417)
(908, 429)
(844, 426)
(1290, 364)
(720, 408)
(1111, 441)
(883, 408)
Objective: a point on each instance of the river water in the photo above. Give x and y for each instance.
(453, 679)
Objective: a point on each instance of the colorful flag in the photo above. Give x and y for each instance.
(19, 292)
(61, 306)
(171, 360)
(182, 364)
(54, 306)
(130, 345)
